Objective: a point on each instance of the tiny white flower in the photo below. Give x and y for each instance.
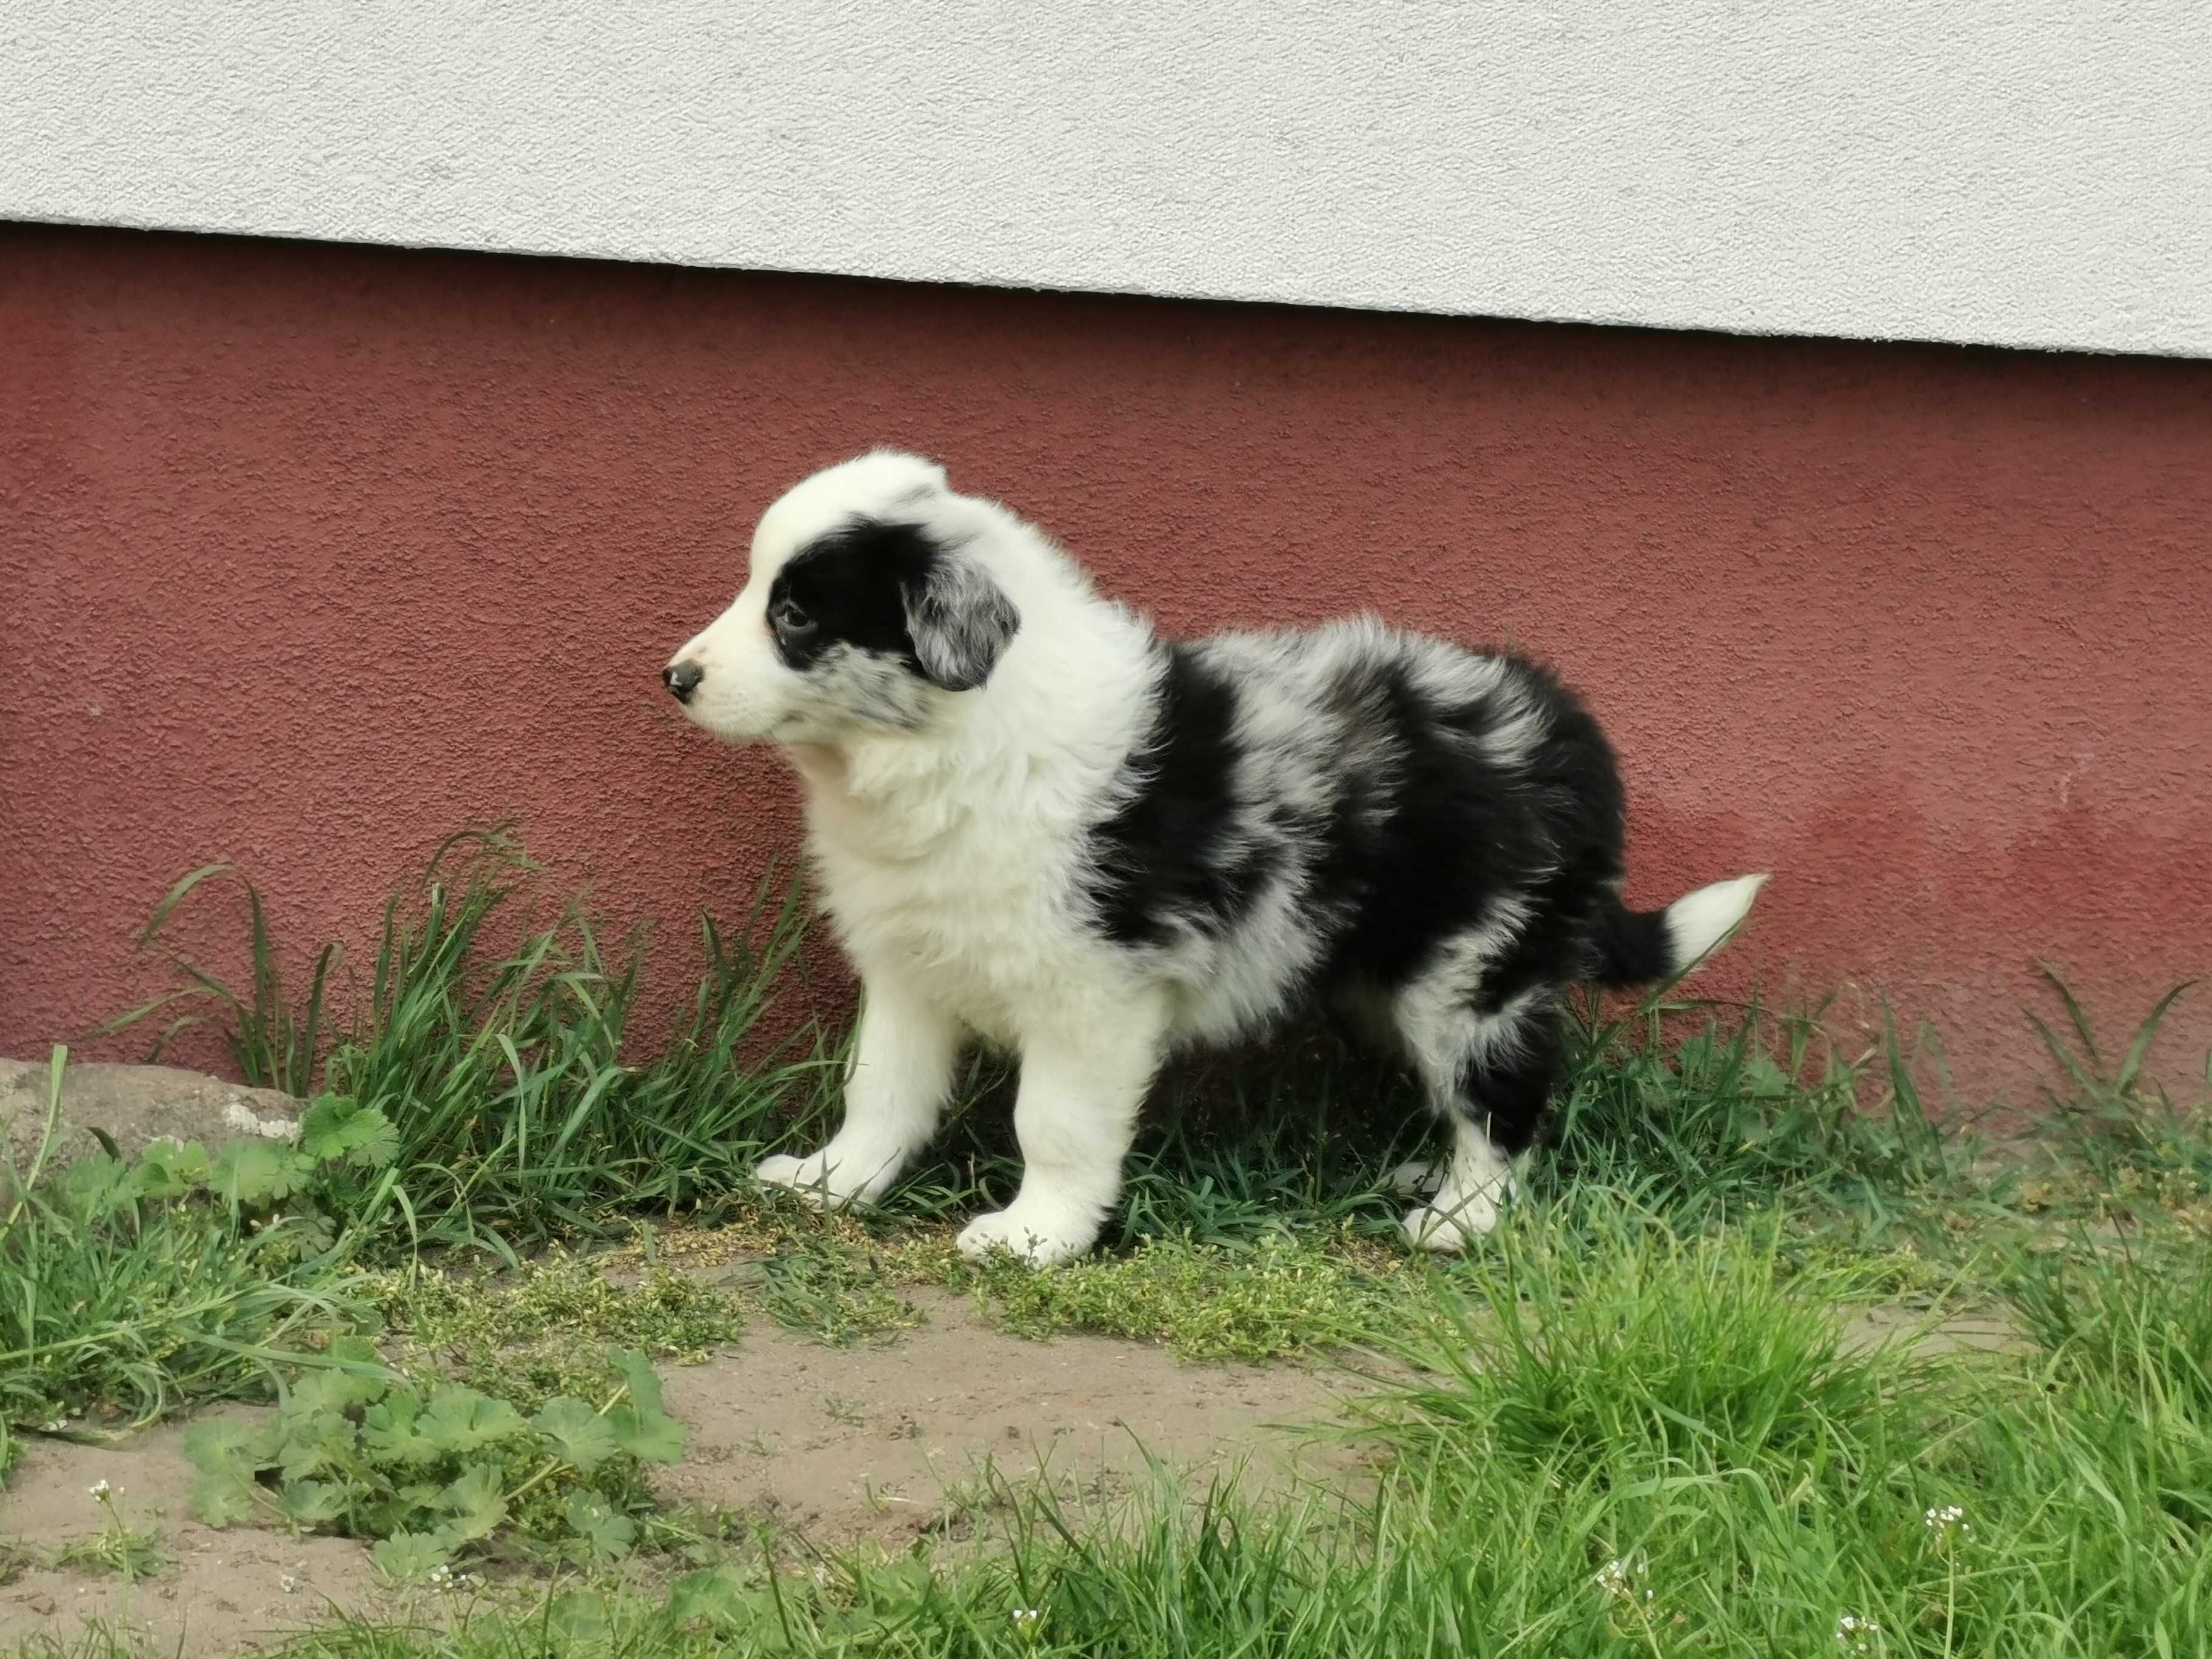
(1948, 1525)
(1618, 1577)
(100, 1490)
(1026, 1615)
(289, 1584)
(1857, 1634)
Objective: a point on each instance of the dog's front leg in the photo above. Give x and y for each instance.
(894, 1095)
(1075, 1114)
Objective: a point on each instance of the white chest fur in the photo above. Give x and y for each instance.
(960, 886)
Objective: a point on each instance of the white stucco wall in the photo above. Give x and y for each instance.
(2033, 172)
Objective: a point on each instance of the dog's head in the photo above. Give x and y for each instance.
(865, 610)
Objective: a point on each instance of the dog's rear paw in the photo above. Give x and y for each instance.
(1429, 1228)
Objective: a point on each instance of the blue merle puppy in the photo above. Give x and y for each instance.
(1036, 823)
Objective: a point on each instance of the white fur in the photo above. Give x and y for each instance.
(1699, 923)
(1475, 1179)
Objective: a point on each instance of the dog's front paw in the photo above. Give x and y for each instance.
(1430, 1228)
(834, 1178)
(806, 1176)
(1040, 1240)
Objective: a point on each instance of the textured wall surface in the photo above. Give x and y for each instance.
(312, 554)
(2019, 171)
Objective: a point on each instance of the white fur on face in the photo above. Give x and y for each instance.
(746, 690)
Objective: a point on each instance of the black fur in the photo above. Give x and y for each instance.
(1507, 1093)
(891, 589)
(1632, 947)
(848, 586)
(1169, 859)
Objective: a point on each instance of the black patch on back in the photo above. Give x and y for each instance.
(853, 583)
(1422, 848)
(1168, 858)
(1419, 850)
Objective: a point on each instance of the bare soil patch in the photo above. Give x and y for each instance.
(870, 1445)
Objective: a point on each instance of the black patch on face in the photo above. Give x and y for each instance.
(1168, 858)
(892, 590)
(848, 588)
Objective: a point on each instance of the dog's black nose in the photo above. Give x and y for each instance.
(682, 679)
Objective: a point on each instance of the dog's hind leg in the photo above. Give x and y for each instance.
(895, 1094)
(1490, 1079)
(1418, 1178)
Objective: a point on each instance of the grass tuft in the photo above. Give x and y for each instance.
(117, 1305)
(492, 1040)
(839, 1296)
(1284, 1293)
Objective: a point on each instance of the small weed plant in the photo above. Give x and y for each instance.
(118, 1547)
(435, 1471)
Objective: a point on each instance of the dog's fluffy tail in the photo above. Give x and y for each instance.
(1640, 947)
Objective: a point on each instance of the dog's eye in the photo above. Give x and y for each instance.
(790, 620)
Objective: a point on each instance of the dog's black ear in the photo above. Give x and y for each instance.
(959, 620)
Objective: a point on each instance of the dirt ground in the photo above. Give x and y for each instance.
(870, 1445)
(218, 1592)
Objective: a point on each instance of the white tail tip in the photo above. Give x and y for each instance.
(1699, 923)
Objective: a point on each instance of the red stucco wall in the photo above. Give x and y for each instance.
(311, 554)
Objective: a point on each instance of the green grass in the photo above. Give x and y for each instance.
(1644, 1417)
(471, 1308)
(1286, 1292)
(490, 1034)
(840, 1295)
(1624, 1441)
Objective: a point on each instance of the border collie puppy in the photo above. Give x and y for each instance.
(1036, 821)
